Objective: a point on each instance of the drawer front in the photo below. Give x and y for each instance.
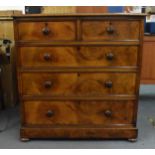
(110, 30)
(78, 83)
(78, 56)
(78, 112)
(47, 31)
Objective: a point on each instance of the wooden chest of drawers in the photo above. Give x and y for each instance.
(78, 75)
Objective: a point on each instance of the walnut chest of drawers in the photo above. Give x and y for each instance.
(78, 75)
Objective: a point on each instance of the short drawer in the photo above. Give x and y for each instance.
(47, 31)
(71, 84)
(78, 112)
(84, 56)
(110, 30)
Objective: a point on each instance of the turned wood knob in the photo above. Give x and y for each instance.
(48, 84)
(108, 84)
(46, 30)
(110, 56)
(47, 56)
(108, 113)
(110, 29)
(49, 113)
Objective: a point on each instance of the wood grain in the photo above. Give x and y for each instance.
(77, 83)
(81, 56)
(97, 30)
(59, 30)
(68, 86)
(80, 113)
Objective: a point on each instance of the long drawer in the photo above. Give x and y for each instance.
(78, 112)
(84, 56)
(47, 31)
(110, 30)
(78, 83)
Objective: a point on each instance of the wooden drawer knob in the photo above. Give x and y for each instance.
(108, 84)
(110, 56)
(49, 113)
(110, 29)
(47, 57)
(46, 30)
(108, 113)
(48, 84)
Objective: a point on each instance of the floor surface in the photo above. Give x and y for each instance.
(9, 138)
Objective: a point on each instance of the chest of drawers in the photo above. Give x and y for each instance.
(78, 75)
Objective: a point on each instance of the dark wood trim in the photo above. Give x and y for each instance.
(80, 69)
(79, 133)
(76, 43)
(96, 98)
(81, 126)
(37, 19)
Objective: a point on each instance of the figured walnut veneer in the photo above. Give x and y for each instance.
(78, 75)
